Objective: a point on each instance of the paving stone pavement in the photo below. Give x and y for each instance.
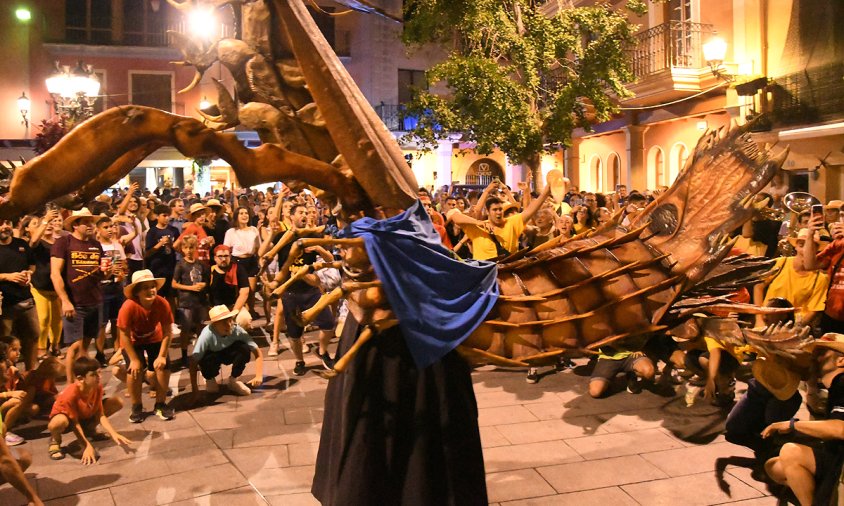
(544, 444)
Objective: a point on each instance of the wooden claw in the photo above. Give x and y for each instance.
(323, 302)
(335, 295)
(362, 339)
(480, 357)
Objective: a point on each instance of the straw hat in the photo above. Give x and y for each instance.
(219, 313)
(78, 215)
(835, 204)
(142, 276)
(213, 203)
(508, 206)
(803, 234)
(781, 381)
(195, 208)
(830, 340)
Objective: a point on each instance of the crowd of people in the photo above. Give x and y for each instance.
(146, 272)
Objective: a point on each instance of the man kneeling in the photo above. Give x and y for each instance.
(81, 407)
(224, 342)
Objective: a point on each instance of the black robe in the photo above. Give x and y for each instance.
(393, 434)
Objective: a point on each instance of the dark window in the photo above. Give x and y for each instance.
(325, 22)
(153, 90)
(410, 81)
(145, 27)
(88, 21)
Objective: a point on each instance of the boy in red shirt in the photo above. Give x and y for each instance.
(81, 407)
(145, 326)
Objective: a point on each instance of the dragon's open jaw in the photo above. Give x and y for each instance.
(712, 196)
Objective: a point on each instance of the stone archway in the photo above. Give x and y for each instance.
(483, 171)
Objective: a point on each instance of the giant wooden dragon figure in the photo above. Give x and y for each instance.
(318, 130)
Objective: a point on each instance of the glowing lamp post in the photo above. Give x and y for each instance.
(73, 91)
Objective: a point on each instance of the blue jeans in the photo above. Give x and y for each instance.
(755, 411)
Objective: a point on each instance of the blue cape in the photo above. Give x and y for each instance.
(437, 299)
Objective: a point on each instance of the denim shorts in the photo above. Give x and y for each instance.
(85, 324)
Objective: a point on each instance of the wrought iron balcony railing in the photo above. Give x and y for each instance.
(676, 44)
(395, 117)
(810, 95)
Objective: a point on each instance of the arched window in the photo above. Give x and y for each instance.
(613, 171)
(656, 168)
(679, 153)
(596, 171)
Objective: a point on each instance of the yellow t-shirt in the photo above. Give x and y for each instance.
(806, 292)
(613, 353)
(483, 248)
(751, 247)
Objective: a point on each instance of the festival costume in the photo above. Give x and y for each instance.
(400, 422)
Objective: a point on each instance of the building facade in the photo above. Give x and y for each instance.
(783, 70)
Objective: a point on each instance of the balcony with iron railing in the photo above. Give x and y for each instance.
(395, 118)
(667, 62)
(158, 36)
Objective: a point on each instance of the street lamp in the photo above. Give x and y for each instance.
(73, 91)
(714, 51)
(23, 106)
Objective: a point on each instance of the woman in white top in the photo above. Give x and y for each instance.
(244, 241)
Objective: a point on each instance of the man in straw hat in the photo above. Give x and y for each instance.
(145, 325)
(76, 270)
(224, 342)
(813, 473)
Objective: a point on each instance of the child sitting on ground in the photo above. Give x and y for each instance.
(81, 407)
(30, 392)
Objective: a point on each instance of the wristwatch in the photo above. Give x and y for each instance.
(791, 424)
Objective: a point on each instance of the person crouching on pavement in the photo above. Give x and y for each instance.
(224, 342)
(145, 325)
(81, 407)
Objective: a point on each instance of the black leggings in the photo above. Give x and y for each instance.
(237, 355)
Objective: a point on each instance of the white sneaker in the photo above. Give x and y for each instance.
(211, 386)
(175, 330)
(237, 387)
(273, 351)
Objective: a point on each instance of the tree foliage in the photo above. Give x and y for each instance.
(517, 79)
(50, 133)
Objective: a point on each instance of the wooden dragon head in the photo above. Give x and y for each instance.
(316, 125)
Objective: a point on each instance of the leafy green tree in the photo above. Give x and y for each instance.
(517, 79)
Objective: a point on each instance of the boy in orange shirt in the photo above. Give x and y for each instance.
(81, 407)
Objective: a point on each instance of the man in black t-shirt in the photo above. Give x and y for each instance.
(812, 473)
(303, 294)
(229, 284)
(19, 318)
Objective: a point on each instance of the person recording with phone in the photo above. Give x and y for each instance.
(831, 259)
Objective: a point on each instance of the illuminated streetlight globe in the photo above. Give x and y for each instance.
(201, 23)
(714, 51)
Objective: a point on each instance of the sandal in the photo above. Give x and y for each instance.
(55, 451)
